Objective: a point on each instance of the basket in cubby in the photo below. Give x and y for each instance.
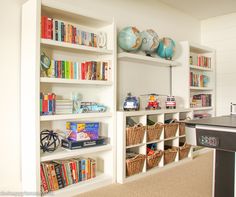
(184, 150)
(135, 134)
(134, 164)
(154, 159)
(170, 129)
(154, 131)
(182, 126)
(170, 154)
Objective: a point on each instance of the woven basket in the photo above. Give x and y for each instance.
(135, 134)
(135, 165)
(182, 126)
(170, 130)
(154, 159)
(170, 155)
(184, 150)
(154, 131)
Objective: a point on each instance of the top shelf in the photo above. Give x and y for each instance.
(197, 48)
(138, 58)
(75, 47)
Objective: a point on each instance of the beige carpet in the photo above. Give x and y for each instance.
(190, 179)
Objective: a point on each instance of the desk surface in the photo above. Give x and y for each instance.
(223, 121)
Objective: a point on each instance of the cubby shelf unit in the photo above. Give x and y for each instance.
(141, 117)
(32, 83)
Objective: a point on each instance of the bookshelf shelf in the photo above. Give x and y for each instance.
(100, 180)
(55, 21)
(75, 116)
(201, 108)
(63, 153)
(75, 47)
(200, 88)
(142, 59)
(75, 81)
(200, 68)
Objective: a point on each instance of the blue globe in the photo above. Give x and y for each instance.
(129, 39)
(166, 48)
(150, 41)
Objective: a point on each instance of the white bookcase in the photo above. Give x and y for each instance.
(32, 84)
(182, 87)
(141, 117)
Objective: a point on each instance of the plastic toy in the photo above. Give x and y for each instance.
(131, 103)
(153, 102)
(86, 107)
(170, 102)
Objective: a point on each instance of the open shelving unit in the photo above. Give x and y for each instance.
(141, 117)
(32, 84)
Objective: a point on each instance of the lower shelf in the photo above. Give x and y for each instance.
(99, 181)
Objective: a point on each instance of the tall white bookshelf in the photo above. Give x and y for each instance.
(92, 90)
(183, 88)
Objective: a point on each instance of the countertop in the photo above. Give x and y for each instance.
(222, 121)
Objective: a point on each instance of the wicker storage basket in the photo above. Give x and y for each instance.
(182, 126)
(184, 150)
(170, 154)
(170, 130)
(135, 134)
(154, 159)
(154, 131)
(135, 164)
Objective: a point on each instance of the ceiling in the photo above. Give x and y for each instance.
(203, 9)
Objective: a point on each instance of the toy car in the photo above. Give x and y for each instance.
(131, 103)
(153, 103)
(170, 102)
(91, 107)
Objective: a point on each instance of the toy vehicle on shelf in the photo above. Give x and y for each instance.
(131, 103)
(170, 102)
(86, 107)
(153, 102)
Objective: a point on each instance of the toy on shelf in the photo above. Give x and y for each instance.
(153, 102)
(76, 98)
(45, 64)
(86, 107)
(170, 102)
(131, 103)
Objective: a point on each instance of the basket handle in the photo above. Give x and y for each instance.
(173, 121)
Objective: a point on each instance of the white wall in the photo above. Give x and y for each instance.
(142, 14)
(220, 33)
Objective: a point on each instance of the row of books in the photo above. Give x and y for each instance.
(198, 79)
(89, 70)
(47, 103)
(59, 174)
(204, 61)
(201, 100)
(201, 115)
(64, 32)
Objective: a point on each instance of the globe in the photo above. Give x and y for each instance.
(166, 48)
(150, 41)
(129, 39)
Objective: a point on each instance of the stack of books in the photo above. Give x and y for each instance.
(59, 174)
(64, 106)
(47, 103)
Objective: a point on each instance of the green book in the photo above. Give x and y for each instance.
(63, 69)
(67, 70)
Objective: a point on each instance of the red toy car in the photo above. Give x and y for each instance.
(153, 103)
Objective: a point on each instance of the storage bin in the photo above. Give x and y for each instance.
(135, 134)
(154, 159)
(134, 164)
(154, 131)
(182, 126)
(170, 154)
(170, 129)
(184, 150)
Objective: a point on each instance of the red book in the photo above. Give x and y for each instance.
(59, 69)
(82, 71)
(43, 180)
(49, 28)
(43, 26)
(71, 70)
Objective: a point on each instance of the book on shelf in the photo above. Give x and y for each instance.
(47, 104)
(198, 79)
(61, 173)
(203, 61)
(201, 100)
